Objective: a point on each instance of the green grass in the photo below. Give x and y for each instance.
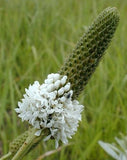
(35, 38)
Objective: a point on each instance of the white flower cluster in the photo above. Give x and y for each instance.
(117, 151)
(50, 105)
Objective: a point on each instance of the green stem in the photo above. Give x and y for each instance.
(6, 156)
(27, 145)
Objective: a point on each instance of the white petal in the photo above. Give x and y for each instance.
(38, 132)
(56, 77)
(60, 91)
(57, 84)
(47, 138)
(63, 80)
(67, 87)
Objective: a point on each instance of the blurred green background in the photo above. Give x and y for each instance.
(35, 38)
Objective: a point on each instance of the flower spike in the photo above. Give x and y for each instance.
(84, 59)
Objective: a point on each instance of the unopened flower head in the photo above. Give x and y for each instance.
(50, 105)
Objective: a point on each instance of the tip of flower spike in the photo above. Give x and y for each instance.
(110, 13)
(114, 11)
(50, 106)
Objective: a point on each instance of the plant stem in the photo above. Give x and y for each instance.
(6, 156)
(27, 145)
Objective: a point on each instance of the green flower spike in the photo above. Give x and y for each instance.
(78, 67)
(91, 47)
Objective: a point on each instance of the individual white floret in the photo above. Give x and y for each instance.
(60, 91)
(63, 80)
(50, 76)
(50, 88)
(49, 81)
(57, 84)
(63, 99)
(56, 77)
(67, 87)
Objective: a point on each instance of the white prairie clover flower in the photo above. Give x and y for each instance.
(118, 152)
(50, 105)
